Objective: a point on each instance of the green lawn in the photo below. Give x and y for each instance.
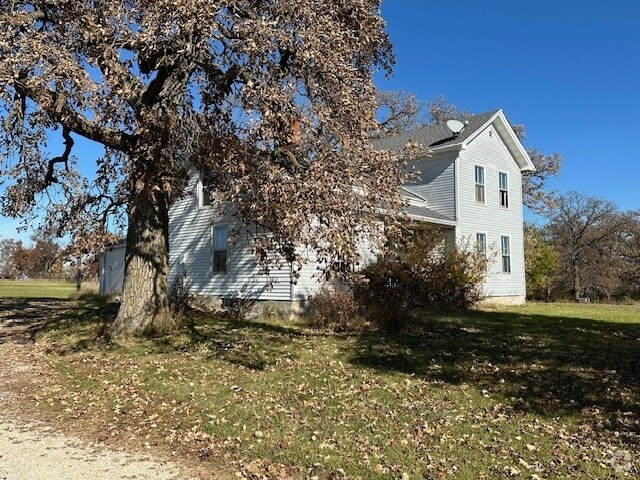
(545, 391)
(36, 289)
(600, 312)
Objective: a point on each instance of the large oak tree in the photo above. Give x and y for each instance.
(271, 99)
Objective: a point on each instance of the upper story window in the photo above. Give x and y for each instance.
(204, 195)
(479, 174)
(505, 248)
(503, 186)
(481, 243)
(220, 248)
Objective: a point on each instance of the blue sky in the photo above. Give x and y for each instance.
(568, 70)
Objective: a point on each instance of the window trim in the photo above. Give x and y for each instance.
(506, 190)
(476, 184)
(508, 255)
(213, 249)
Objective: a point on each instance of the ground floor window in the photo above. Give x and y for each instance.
(481, 244)
(220, 248)
(506, 254)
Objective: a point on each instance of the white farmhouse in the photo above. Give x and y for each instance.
(470, 183)
(474, 180)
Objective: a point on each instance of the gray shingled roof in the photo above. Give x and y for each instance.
(408, 194)
(426, 213)
(421, 210)
(434, 136)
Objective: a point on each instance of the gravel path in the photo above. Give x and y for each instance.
(33, 451)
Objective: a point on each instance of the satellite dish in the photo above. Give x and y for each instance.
(456, 126)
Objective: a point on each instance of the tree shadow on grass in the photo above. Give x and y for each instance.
(251, 344)
(83, 325)
(22, 320)
(552, 366)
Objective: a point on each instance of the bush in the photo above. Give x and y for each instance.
(179, 298)
(386, 292)
(238, 308)
(333, 307)
(426, 275)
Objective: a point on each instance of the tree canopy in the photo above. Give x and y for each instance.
(272, 99)
(595, 243)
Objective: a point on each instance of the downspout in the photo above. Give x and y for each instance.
(292, 286)
(456, 190)
(101, 289)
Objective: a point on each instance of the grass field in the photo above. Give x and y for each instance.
(41, 289)
(36, 289)
(545, 391)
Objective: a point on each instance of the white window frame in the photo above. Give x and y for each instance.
(506, 255)
(483, 184)
(214, 251)
(505, 190)
(484, 251)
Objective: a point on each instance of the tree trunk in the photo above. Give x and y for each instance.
(78, 273)
(145, 300)
(576, 281)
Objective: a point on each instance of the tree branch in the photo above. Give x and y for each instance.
(64, 158)
(16, 114)
(224, 80)
(56, 107)
(94, 41)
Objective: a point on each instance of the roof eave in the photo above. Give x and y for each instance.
(448, 223)
(434, 151)
(448, 148)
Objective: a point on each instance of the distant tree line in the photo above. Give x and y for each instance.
(588, 249)
(44, 259)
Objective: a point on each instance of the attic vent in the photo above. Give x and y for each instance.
(491, 133)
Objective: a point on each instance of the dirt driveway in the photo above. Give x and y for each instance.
(32, 450)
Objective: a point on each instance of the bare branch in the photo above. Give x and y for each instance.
(56, 107)
(16, 114)
(64, 158)
(223, 80)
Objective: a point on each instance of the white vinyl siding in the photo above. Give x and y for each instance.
(479, 178)
(503, 189)
(490, 218)
(436, 183)
(311, 279)
(191, 253)
(112, 270)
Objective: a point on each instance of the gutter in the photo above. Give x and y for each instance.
(434, 151)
